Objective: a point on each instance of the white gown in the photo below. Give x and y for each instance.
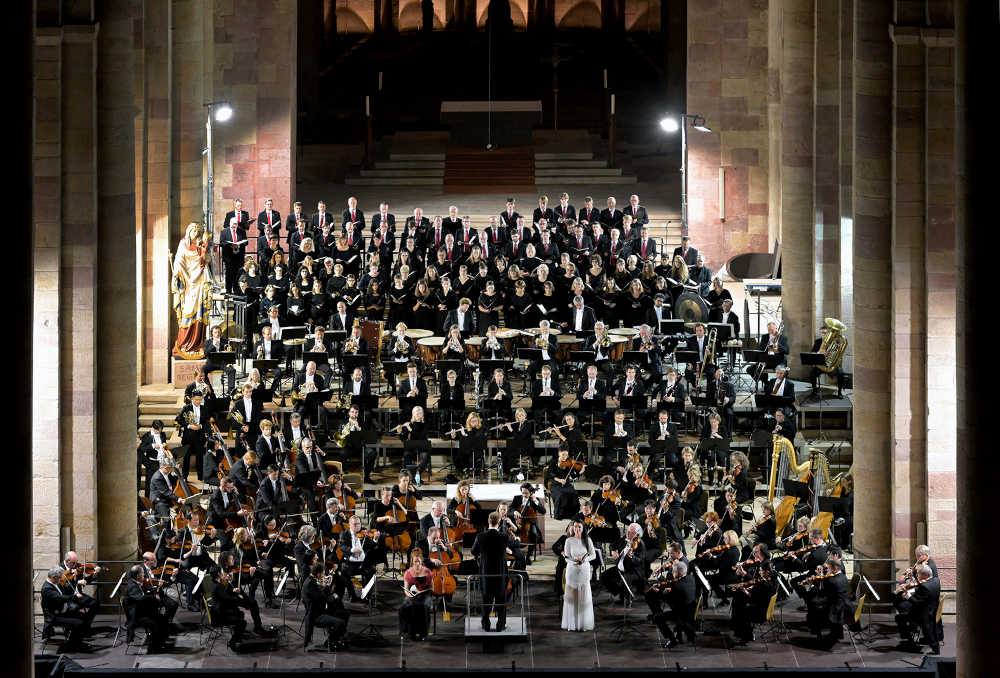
(578, 604)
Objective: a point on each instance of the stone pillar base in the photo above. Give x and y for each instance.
(183, 371)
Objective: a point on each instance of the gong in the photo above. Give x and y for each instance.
(691, 308)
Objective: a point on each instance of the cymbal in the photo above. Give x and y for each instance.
(418, 333)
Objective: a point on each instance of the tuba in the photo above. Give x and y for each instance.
(834, 345)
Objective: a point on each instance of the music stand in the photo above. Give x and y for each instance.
(371, 632)
(546, 405)
(318, 357)
(626, 625)
(592, 406)
(722, 333)
(283, 602)
(495, 406)
(714, 445)
(666, 450)
(794, 488)
(392, 369)
(532, 355)
(520, 447)
(442, 366)
(766, 401)
(689, 357)
(633, 404)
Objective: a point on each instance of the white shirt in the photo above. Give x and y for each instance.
(413, 384)
(663, 429)
(460, 315)
(545, 385)
(275, 328)
(248, 405)
(296, 433)
(156, 438)
(356, 546)
(357, 387)
(659, 313)
(578, 319)
(629, 386)
(196, 409)
(310, 378)
(619, 429)
(592, 386)
(267, 349)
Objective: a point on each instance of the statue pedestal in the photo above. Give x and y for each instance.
(183, 371)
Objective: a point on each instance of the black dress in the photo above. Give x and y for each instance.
(423, 316)
(489, 317)
(565, 501)
(518, 311)
(400, 307)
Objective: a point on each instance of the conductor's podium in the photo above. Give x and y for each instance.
(516, 629)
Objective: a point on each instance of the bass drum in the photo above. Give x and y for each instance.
(372, 330)
(691, 308)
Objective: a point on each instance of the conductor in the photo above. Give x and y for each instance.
(490, 550)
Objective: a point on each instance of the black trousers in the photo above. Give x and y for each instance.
(495, 600)
(197, 450)
(77, 623)
(335, 627)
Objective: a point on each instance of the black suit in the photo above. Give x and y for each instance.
(589, 216)
(787, 388)
(193, 439)
(291, 220)
(251, 418)
(307, 473)
(147, 457)
(690, 257)
(233, 254)
(611, 218)
(509, 220)
(161, 493)
(634, 570)
(561, 214)
(219, 512)
(358, 220)
(389, 219)
(141, 611)
(587, 321)
(404, 388)
(54, 609)
(319, 607)
(922, 612)
(716, 317)
(490, 550)
(466, 326)
(275, 221)
(639, 216)
(829, 606)
(314, 220)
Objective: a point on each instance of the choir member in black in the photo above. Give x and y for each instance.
(470, 454)
(423, 306)
(522, 431)
(232, 242)
(361, 553)
(521, 508)
(922, 596)
(310, 473)
(750, 603)
(229, 601)
(636, 302)
(142, 611)
(416, 430)
(193, 421)
(729, 511)
(400, 301)
(323, 598)
(500, 391)
(269, 217)
(560, 474)
(828, 602)
(148, 453)
(617, 433)
(629, 556)
(518, 307)
(761, 532)
(246, 474)
(412, 388)
(654, 535)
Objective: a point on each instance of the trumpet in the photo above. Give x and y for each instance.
(351, 345)
(402, 347)
(604, 340)
(542, 341)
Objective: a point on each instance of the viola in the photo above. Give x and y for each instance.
(572, 465)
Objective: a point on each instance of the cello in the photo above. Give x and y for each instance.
(400, 543)
(225, 464)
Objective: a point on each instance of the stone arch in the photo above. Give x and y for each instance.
(349, 21)
(585, 14)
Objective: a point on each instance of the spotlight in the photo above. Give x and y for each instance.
(223, 113)
(669, 125)
(699, 124)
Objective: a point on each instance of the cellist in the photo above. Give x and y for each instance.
(461, 506)
(526, 510)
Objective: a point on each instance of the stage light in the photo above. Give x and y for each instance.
(223, 113)
(699, 124)
(670, 125)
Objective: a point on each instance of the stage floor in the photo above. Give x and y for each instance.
(547, 646)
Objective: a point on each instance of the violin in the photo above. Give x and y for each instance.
(644, 481)
(653, 522)
(612, 495)
(572, 465)
(798, 535)
(665, 584)
(760, 522)
(817, 577)
(594, 520)
(713, 550)
(745, 586)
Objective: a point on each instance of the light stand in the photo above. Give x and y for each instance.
(670, 125)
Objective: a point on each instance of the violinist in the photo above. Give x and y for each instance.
(828, 602)
(333, 521)
(224, 507)
(691, 496)
(77, 576)
(797, 539)
(192, 421)
(152, 573)
(303, 551)
(415, 430)
(250, 569)
(732, 515)
(763, 531)
(561, 473)
(415, 612)
(629, 554)
(310, 473)
(753, 597)
(724, 558)
(361, 552)
(807, 558)
(739, 477)
(670, 511)
(196, 539)
(654, 536)
(527, 509)
(142, 610)
(229, 601)
(712, 536)
(922, 597)
(679, 592)
(900, 598)
(61, 608)
(276, 552)
(607, 500)
(323, 598)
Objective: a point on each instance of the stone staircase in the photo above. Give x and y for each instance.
(163, 402)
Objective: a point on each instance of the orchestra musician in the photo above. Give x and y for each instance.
(781, 385)
(162, 489)
(753, 597)
(63, 604)
(828, 602)
(500, 390)
(470, 454)
(224, 508)
(673, 393)
(310, 473)
(654, 535)
(436, 518)
(333, 521)
(519, 507)
(617, 433)
(193, 421)
(581, 318)
(601, 346)
(454, 348)
(415, 611)
(698, 343)
(142, 610)
(679, 592)
(772, 343)
(228, 602)
(722, 395)
(362, 552)
(922, 596)
(715, 458)
(729, 510)
(415, 430)
(460, 506)
(629, 386)
(560, 474)
(322, 596)
(629, 554)
(412, 390)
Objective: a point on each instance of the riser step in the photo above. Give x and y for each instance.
(576, 181)
(403, 173)
(578, 171)
(409, 164)
(552, 164)
(417, 156)
(564, 156)
(394, 181)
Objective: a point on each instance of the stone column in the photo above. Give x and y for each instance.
(795, 39)
(872, 82)
(826, 142)
(845, 182)
(116, 282)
